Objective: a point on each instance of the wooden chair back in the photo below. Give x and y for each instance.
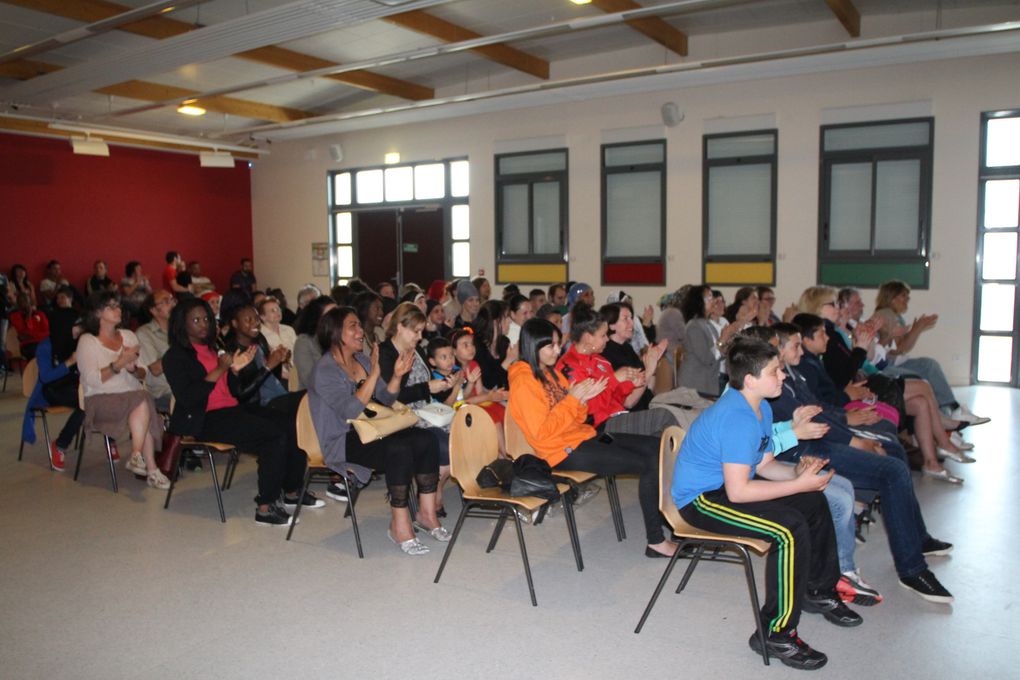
(473, 445)
(669, 446)
(293, 379)
(11, 344)
(29, 376)
(307, 437)
(516, 444)
(81, 397)
(664, 379)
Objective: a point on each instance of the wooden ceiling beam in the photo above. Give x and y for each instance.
(42, 129)
(655, 28)
(847, 15)
(422, 22)
(159, 28)
(24, 69)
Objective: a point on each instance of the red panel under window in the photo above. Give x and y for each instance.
(651, 273)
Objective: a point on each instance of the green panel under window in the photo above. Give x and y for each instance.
(873, 274)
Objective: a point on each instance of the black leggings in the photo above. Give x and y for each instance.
(625, 454)
(262, 431)
(414, 451)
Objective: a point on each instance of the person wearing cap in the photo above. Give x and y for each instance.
(578, 291)
(470, 301)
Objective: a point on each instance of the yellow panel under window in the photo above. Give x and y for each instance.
(738, 273)
(531, 273)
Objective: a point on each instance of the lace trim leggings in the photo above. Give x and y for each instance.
(401, 455)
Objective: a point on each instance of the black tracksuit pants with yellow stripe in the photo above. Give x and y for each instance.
(803, 554)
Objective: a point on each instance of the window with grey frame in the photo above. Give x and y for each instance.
(531, 207)
(634, 212)
(739, 207)
(875, 202)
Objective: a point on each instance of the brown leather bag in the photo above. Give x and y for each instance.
(170, 455)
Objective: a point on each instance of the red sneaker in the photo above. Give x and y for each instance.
(113, 451)
(56, 458)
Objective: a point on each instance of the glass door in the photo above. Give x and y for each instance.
(996, 313)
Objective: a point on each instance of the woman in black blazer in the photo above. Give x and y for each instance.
(205, 386)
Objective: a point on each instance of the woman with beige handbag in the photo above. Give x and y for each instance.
(344, 383)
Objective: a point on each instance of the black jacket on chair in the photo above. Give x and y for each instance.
(191, 390)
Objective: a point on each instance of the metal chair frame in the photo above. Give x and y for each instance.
(693, 537)
(29, 377)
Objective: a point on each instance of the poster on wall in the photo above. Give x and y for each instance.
(320, 259)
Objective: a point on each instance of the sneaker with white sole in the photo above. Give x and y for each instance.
(338, 491)
(927, 586)
(308, 501)
(852, 588)
(56, 458)
(136, 465)
(157, 480)
(933, 547)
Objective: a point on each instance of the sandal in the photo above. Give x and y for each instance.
(157, 480)
(411, 546)
(439, 533)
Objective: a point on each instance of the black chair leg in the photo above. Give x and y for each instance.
(216, 485)
(752, 590)
(690, 567)
(113, 468)
(46, 437)
(571, 522)
(498, 530)
(524, 558)
(614, 507)
(658, 589)
(456, 532)
(297, 510)
(175, 473)
(81, 451)
(352, 501)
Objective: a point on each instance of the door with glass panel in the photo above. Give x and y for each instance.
(996, 317)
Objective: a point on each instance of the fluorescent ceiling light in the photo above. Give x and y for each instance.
(392, 158)
(86, 146)
(581, 2)
(191, 108)
(215, 159)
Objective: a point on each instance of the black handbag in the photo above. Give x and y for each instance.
(889, 390)
(533, 477)
(499, 472)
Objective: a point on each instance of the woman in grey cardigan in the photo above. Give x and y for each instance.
(343, 383)
(702, 355)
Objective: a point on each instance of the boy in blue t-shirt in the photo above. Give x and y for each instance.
(725, 481)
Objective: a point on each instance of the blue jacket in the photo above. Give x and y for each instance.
(48, 372)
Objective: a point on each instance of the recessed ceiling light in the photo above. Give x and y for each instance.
(581, 2)
(392, 158)
(191, 108)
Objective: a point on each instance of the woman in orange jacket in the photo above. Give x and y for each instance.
(552, 415)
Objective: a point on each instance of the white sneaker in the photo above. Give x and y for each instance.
(960, 443)
(963, 414)
(136, 465)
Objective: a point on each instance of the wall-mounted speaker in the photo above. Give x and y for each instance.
(336, 152)
(671, 114)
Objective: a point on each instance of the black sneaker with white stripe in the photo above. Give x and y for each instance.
(927, 586)
(308, 501)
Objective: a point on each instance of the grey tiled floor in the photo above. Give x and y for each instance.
(101, 585)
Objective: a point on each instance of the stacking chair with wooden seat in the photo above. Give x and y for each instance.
(106, 440)
(317, 471)
(207, 449)
(29, 377)
(473, 445)
(692, 537)
(517, 445)
(12, 354)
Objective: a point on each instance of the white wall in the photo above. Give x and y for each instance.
(289, 187)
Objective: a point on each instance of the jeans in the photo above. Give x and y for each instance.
(839, 494)
(890, 475)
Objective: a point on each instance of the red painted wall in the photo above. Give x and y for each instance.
(134, 205)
